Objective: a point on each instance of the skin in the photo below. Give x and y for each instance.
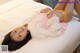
(64, 11)
(77, 8)
(19, 33)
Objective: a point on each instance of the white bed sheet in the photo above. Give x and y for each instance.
(63, 44)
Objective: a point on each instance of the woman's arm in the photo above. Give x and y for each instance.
(69, 10)
(77, 7)
(61, 5)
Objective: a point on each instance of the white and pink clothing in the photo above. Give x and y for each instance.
(44, 27)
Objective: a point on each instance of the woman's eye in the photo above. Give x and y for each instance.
(15, 31)
(25, 25)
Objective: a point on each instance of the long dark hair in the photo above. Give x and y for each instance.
(13, 45)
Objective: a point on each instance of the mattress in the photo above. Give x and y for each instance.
(20, 13)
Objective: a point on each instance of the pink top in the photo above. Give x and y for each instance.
(43, 20)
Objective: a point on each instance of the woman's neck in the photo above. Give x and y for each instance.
(4, 1)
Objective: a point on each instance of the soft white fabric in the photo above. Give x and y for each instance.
(18, 15)
(37, 29)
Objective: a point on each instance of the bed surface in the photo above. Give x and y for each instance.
(62, 44)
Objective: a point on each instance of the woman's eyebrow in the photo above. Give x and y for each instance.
(25, 25)
(15, 31)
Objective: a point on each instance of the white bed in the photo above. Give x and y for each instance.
(19, 14)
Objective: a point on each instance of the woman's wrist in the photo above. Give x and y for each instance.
(60, 14)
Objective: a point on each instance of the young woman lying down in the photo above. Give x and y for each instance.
(21, 35)
(17, 38)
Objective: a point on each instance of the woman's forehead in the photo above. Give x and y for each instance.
(19, 27)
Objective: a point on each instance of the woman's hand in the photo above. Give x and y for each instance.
(48, 11)
(45, 10)
(62, 15)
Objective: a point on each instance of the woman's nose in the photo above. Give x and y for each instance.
(19, 31)
(19, 35)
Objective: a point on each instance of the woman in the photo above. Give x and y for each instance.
(64, 10)
(17, 38)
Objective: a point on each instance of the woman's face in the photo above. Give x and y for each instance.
(19, 33)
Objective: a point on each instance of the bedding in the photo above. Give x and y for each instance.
(21, 13)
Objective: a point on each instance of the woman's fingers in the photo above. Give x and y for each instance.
(45, 10)
(48, 11)
(49, 14)
(59, 13)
